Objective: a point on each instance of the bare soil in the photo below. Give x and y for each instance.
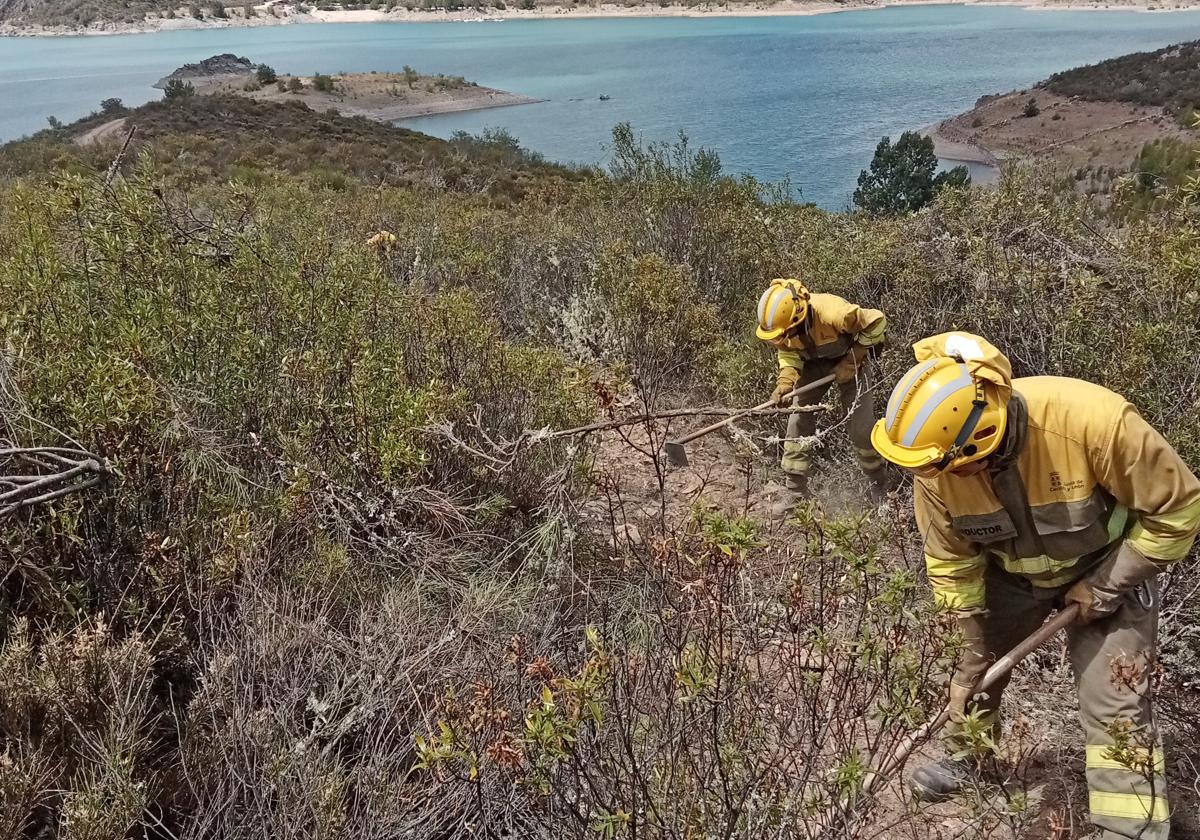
(378, 96)
(1067, 134)
(102, 133)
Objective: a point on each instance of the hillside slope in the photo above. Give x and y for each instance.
(204, 138)
(386, 545)
(1090, 123)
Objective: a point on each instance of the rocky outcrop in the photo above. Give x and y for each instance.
(226, 65)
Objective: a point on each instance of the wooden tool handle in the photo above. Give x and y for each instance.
(712, 427)
(906, 746)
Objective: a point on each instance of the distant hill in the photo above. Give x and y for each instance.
(81, 13)
(1169, 77)
(1094, 124)
(203, 138)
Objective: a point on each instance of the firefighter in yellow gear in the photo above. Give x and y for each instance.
(814, 335)
(1031, 494)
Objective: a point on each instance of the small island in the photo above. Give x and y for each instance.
(385, 97)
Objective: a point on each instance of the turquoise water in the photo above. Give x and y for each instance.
(802, 98)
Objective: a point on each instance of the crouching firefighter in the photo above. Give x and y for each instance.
(816, 335)
(1032, 494)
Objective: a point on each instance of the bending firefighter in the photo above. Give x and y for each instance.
(815, 335)
(1032, 494)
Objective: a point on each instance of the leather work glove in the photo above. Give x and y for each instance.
(789, 378)
(1100, 592)
(847, 368)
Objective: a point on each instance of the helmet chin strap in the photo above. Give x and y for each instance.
(968, 427)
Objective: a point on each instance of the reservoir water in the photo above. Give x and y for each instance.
(801, 98)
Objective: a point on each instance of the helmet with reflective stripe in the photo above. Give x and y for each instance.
(942, 416)
(783, 306)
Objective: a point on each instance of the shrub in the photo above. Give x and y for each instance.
(1031, 108)
(112, 105)
(295, 85)
(178, 89)
(349, 585)
(323, 83)
(265, 74)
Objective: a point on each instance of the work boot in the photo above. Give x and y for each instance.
(940, 780)
(797, 483)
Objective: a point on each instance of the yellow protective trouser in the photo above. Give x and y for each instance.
(1112, 659)
(856, 398)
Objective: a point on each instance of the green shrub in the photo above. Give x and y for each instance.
(177, 89)
(323, 83)
(265, 74)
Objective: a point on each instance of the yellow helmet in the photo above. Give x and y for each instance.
(941, 415)
(783, 305)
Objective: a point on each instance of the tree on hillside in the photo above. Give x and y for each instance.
(903, 177)
(266, 74)
(178, 89)
(410, 76)
(112, 105)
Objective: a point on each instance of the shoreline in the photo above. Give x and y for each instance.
(482, 102)
(784, 8)
(947, 148)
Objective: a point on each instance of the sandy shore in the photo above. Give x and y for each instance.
(277, 13)
(964, 152)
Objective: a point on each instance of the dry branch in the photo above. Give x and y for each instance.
(66, 471)
(500, 455)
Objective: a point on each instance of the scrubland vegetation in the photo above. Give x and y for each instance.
(1168, 77)
(343, 583)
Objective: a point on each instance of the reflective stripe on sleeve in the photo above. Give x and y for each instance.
(1169, 535)
(791, 358)
(872, 334)
(957, 584)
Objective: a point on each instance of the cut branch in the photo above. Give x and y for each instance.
(67, 471)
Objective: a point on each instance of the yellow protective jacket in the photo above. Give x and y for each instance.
(835, 326)
(1080, 471)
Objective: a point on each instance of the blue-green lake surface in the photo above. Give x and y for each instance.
(801, 98)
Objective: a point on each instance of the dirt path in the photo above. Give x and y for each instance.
(102, 133)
